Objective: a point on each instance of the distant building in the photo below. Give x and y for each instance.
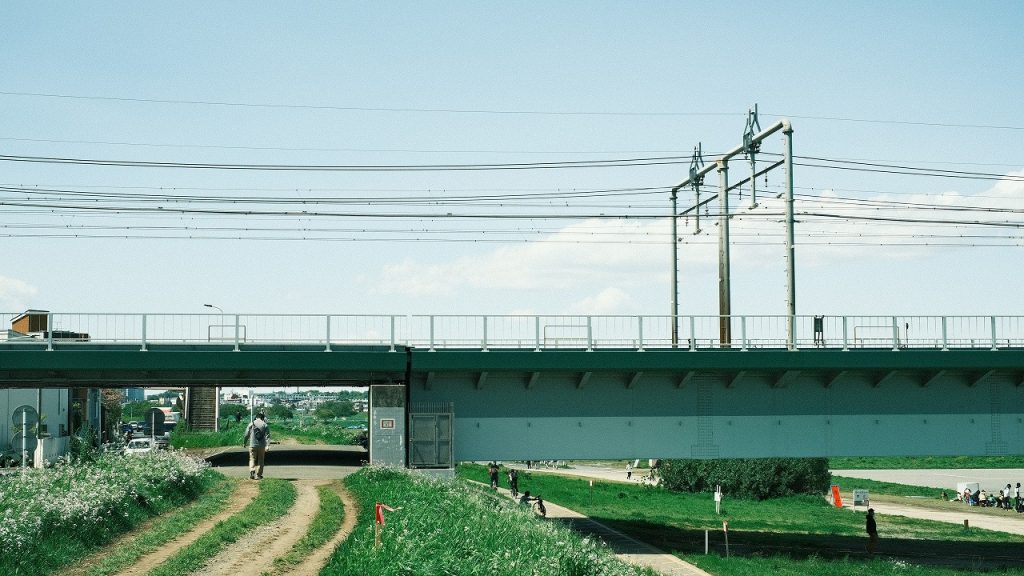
(134, 394)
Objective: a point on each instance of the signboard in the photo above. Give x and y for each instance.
(860, 498)
(387, 423)
(25, 415)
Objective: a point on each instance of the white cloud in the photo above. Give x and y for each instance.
(567, 259)
(15, 294)
(608, 302)
(634, 254)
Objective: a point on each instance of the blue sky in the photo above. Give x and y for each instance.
(662, 76)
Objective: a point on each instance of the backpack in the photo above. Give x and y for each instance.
(258, 434)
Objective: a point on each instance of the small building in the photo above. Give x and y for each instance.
(61, 412)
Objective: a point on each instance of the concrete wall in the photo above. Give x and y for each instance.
(704, 418)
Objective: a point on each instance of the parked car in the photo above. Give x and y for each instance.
(139, 446)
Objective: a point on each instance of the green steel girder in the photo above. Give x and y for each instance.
(76, 365)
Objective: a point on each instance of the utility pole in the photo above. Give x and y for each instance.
(752, 139)
(724, 288)
(696, 164)
(675, 272)
(787, 130)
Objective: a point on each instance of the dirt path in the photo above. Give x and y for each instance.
(87, 563)
(314, 562)
(239, 500)
(258, 548)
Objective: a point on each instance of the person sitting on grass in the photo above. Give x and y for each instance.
(541, 510)
(525, 498)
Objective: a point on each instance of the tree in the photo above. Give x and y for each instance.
(230, 410)
(135, 411)
(279, 410)
(334, 409)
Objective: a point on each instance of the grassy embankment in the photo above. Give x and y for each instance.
(309, 432)
(165, 529)
(793, 535)
(53, 517)
(275, 498)
(453, 528)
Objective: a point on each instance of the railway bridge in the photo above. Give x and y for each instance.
(451, 388)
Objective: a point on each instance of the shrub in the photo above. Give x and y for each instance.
(48, 514)
(759, 478)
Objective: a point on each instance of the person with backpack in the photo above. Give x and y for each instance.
(257, 438)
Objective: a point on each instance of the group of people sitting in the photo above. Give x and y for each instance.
(1008, 498)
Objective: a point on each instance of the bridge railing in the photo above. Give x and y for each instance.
(544, 332)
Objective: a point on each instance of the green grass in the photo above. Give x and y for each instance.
(165, 529)
(317, 433)
(876, 488)
(923, 462)
(783, 566)
(274, 500)
(181, 438)
(51, 518)
(449, 528)
(788, 530)
(325, 524)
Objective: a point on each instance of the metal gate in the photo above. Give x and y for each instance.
(430, 435)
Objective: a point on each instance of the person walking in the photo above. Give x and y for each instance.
(492, 471)
(257, 438)
(629, 470)
(872, 530)
(1016, 497)
(513, 482)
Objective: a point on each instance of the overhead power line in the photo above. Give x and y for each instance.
(817, 162)
(492, 111)
(613, 163)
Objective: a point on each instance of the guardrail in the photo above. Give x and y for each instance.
(524, 332)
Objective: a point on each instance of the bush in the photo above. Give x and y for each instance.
(760, 478)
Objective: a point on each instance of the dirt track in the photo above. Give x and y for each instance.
(254, 551)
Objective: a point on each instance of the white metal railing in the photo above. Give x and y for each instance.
(522, 332)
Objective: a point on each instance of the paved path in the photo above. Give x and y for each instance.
(990, 479)
(291, 461)
(985, 518)
(625, 548)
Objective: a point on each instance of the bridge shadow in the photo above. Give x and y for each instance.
(343, 456)
(958, 554)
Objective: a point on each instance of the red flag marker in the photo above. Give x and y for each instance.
(381, 507)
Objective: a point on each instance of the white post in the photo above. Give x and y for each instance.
(484, 318)
(236, 332)
(328, 347)
(640, 334)
(994, 347)
(590, 334)
(392, 334)
(143, 333)
(431, 333)
(24, 436)
(743, 332)
(846, 343)
(945, 341)
(895, 334)
(536, 333)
